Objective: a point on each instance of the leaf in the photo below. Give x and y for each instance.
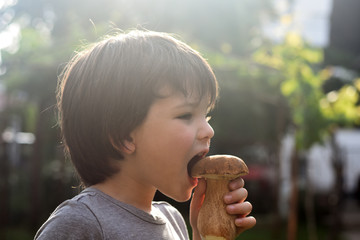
(312, 56)
(289, 86)
(357, 84)
(341, 106)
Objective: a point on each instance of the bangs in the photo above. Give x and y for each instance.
(191, 75)
(199, 83)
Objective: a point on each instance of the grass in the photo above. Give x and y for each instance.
(16, 234)
(266, 233)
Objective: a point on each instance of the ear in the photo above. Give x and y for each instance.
(126, 147)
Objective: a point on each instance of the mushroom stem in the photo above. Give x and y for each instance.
(213, 220)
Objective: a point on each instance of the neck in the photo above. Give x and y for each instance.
(126, 189)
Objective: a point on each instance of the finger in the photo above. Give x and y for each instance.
(240, 209)
(199, 191)
(197, 201)
(244, 223)
(236, 183)
(238, 195)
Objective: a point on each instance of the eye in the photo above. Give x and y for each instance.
(185, 116)
(208, 118)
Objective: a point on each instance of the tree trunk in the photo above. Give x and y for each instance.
(337, 190)
(310, 208)
(4, 188)
(294, 195)
(35, 170)
(276, 221)
(280, 129)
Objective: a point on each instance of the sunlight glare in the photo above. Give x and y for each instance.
(7, 3)
(9, 38)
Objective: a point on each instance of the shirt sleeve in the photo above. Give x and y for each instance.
(175, 219)
(71, 220)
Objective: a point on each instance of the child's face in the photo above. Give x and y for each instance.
(175, 130)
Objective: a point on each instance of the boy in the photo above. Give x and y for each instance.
(133, 112)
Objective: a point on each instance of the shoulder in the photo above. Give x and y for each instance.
(173, 217)
(72, 219)
(165, 207)
(171, 213)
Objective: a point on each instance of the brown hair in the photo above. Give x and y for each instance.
(106, 90)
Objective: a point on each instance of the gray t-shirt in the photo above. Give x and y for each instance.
(95, 215)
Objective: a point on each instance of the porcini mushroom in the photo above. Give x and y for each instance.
(213, 220)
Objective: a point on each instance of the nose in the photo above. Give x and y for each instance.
(206, 132)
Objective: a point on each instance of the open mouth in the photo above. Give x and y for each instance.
(194, 160)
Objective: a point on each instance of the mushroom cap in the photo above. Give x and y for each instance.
(219, 167)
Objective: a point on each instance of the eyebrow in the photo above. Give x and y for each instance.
(188, 104)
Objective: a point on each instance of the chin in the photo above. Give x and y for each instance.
(185, 198)
(181, 198)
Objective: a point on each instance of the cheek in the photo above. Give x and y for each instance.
(169, 136)
(183, 136)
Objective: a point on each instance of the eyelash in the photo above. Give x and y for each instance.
(188, 116)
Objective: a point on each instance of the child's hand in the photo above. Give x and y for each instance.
(237, 205)
(235, 200)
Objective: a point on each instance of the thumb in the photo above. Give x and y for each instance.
(197, 201)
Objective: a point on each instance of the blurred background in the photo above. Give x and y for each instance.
(289, 103)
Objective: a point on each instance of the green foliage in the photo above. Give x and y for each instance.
(341, 106)
(313, 114)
